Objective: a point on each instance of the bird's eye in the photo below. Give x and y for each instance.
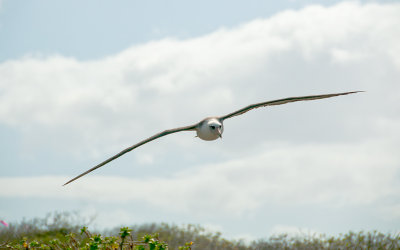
(212, 127)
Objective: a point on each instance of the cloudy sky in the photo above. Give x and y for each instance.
(80, 81)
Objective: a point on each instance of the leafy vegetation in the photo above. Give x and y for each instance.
(67, 231)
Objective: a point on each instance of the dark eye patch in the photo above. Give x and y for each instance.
(212, 126)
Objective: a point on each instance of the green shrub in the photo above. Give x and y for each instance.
(65, 231)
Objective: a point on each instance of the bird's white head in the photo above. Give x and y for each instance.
(210, 129)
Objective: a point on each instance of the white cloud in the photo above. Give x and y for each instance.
(335, 175)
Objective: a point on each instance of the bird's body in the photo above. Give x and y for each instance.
(211, 128)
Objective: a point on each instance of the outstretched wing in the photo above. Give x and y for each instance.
(156, 136)
(282, 101)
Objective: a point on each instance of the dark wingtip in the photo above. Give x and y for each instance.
(79, 176)
(351, 92)
(67, 183)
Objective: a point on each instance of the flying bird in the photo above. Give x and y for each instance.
(211, 128)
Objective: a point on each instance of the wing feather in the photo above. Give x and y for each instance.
(156, 136)
(282, 101)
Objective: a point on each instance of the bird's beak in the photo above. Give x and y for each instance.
(219, 133)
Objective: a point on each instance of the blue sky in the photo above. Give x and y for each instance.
(93, 29)
(80, 81)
